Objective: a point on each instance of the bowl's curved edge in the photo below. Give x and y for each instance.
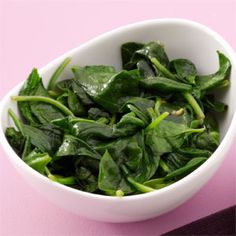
(226, 141)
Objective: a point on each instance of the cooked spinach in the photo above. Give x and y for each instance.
(120, 132)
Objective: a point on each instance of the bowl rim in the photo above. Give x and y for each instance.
(227, 139)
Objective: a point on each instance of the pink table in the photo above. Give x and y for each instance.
(32, 33)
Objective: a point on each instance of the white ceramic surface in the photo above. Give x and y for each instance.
(182, 39)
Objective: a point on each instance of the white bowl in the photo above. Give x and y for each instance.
(183, 39)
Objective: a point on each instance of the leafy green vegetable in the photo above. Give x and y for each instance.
(106, 87)
(165, 85)
(208, 83)
(57, 73)
(127, 51)
(37, 112)
(188, 168)
(185, 69)
(73, 146)
(109, 174)
(123, 132)
(15, 139)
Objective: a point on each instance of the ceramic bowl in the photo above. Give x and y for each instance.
(182, 39)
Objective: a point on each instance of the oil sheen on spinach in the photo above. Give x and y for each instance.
(121, 132)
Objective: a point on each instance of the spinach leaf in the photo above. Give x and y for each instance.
(185, 69)
(188, 168)
(37, 112)
(73, 146)
(86, 179)
(129, 124)
(212, 105)
(139, 106)
(46, 138)
(95, 113)
(106, 87)
(127, 51)
(210, 138)
(165, 85)
(145, 69)
(64, 85)
(146, 52)
(29, 87)
(208, 83)
(110, 178)
(75, 105)
(15, 139)
(168, 136)
(89, 129)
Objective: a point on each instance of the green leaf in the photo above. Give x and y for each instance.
(185, 69)
(167, 136)
(30, 87)
(145, 69)
(95, 113)
(36, 112)
(75, 105)
(129, 124)
(210, 82)
(15, 139)
(73, 146)
(89, 129)
(139, 106)
(127, 51)
(45, 138)
(86, 179)
(212, 105)
(163, 84)
(188, 168)
(106, 87)
(109, 177)
(145, 53)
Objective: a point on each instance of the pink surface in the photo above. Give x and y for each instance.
(34, 32)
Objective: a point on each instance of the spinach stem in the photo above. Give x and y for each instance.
(53, 93)
(102, 120)
(157, 106)
(48, 100)
(113, 120)
(141, 187)
(57, 73)
(74, 120)
(157, 120)
(197, 109)
(60, 179)
(16, 121)
(138, 113)
(152, 113)
(164, 166)
(200, 130)
(163, 69)
(120, 193)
